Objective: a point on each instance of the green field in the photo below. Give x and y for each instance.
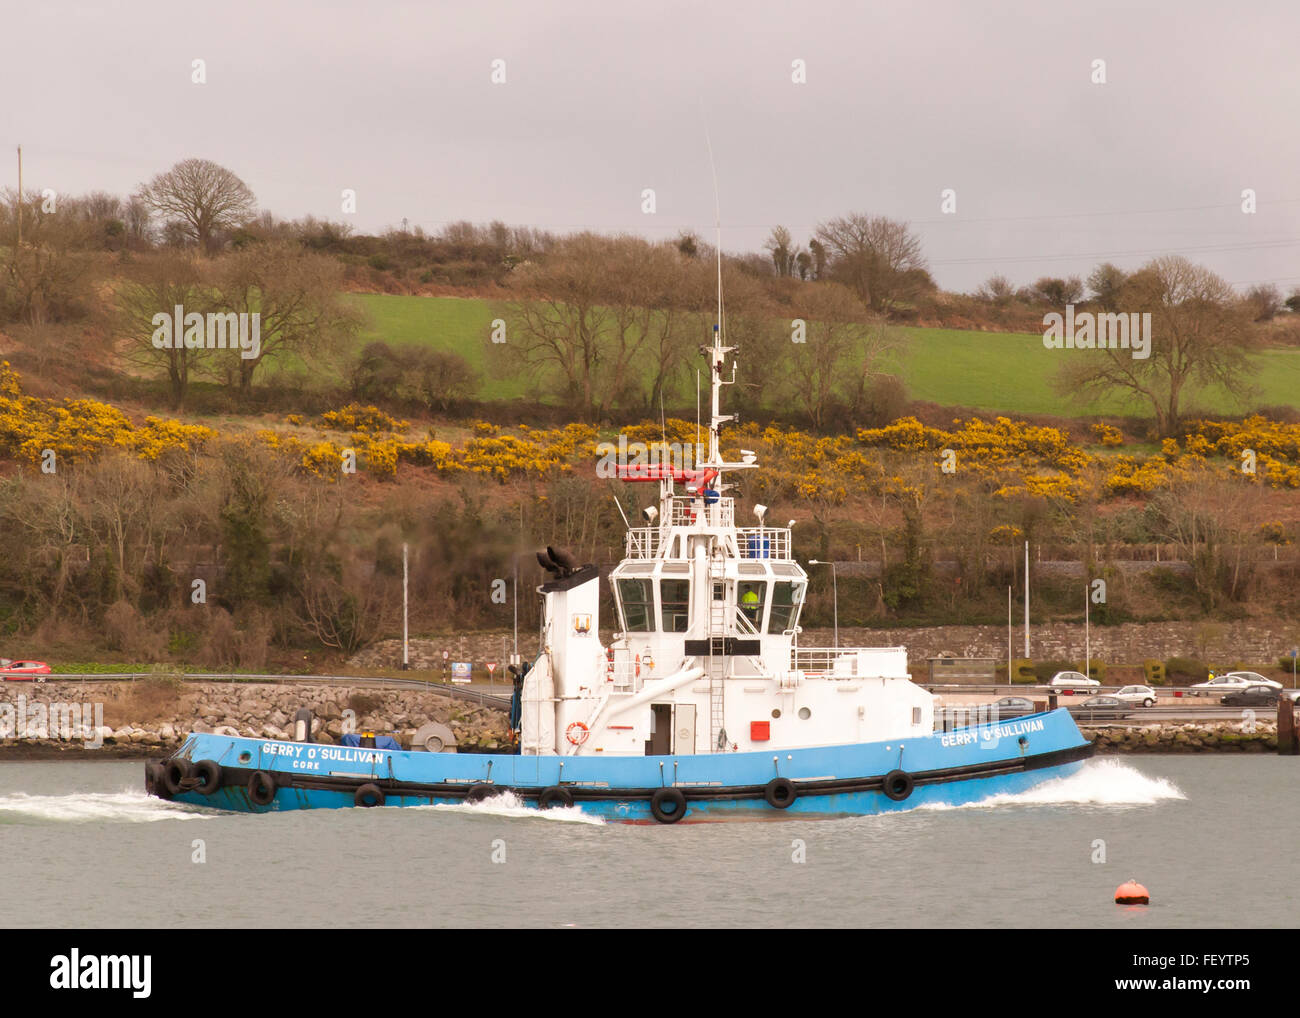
(987, 371)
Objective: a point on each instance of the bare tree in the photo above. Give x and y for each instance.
(296, 295)
(1264, 301)
(781, 247)
(1200, 336)
(879, 259)
(1058, 292)
(51, 277)
(997, 290)
(591, 314)
(156, 286)
(203, 196)
(839, 358)
(1106, 283)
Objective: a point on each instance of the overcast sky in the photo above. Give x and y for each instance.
(1052, 173)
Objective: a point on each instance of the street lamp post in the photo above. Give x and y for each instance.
(835, 595)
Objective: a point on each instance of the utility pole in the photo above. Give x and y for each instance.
(20, 196)
(1010, 679)
(406, 645)
(1026, 600)
(1087, 631)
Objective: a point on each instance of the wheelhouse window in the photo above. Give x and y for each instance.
(750, 597)
(786, 598)
(637, 600)
(675, 596)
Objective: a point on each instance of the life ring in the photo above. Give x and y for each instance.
(261, 788)
(672, 797)
(175, 772)
(780, 793)
(898, 785)
(638, 666)
(480, 791)
(207, 775)
(368, 795)
(556, 795)
(577, 733)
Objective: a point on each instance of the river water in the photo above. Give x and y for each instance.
(1208, 835)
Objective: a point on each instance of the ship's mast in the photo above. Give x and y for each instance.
(718, 351)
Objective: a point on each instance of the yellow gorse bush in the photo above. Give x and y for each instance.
(1006, 456)
(76, 430)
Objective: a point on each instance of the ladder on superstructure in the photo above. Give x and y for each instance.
(716, 664)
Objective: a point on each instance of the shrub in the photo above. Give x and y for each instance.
(1024, 672)
(1096, 670)
(1187, 670)
(1155, 672)
(1044, 670)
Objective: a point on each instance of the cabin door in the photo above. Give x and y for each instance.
(660, 742)
(684, 731)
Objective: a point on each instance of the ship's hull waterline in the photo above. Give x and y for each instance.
(953, 768)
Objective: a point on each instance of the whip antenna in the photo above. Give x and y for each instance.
(717, 215)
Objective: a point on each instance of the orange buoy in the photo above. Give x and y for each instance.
(1132, 893)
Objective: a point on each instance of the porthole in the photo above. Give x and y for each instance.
(245, 756)
(804, 713)
(776, 713)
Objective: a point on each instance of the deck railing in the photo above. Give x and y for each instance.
(764, 542)
(821, 661)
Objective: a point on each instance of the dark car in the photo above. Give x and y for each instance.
(1009, 707)
(1252, 696)
(948, 718)
(1100, 708)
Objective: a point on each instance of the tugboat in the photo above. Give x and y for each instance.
(703, 706)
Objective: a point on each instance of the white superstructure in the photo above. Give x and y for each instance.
(705, 658)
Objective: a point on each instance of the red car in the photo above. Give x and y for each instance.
(23, 671)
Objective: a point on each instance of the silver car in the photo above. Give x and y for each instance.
(1143, 695)
(1073, 680)
(1230, 682)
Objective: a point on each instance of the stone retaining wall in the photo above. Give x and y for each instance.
(1225, 644)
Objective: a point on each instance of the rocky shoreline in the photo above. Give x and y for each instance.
(152, 719)
(1183, 737)
(148, 718)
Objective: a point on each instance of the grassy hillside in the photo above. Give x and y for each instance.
(1003, 372)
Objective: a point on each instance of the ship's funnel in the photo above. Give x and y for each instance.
(563, 558)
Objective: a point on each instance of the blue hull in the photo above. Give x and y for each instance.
(951, 768)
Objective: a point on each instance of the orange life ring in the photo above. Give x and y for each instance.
(581, 734)
(638, 666)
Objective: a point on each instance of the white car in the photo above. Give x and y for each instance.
(1144, 695)
(1073, 680)
(1230, 682)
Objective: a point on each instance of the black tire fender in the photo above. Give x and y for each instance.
(174, 774)
(556, 795)
(261, 788)
(780, 793)
(153, 779)
(671, 797)
(898, 785)
(207, 774)
(481, 791)
(368, 795)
